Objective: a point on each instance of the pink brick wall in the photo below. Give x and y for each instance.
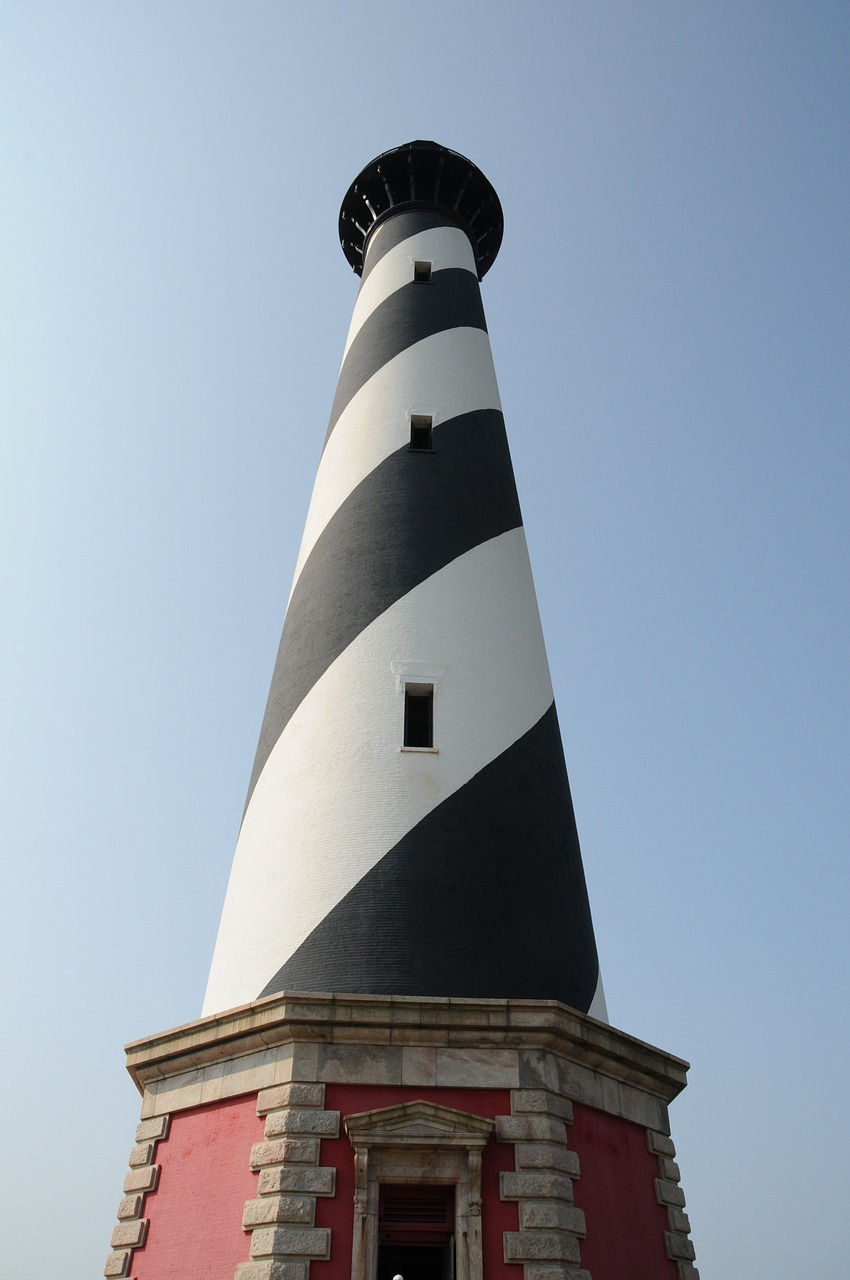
(195, 1214)
(616, 1190)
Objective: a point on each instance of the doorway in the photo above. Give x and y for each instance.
(416, 1232)
(415, 1262)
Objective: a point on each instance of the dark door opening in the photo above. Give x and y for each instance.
(416, 1232)
(415, 1262)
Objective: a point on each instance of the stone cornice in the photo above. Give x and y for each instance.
(289, 1018)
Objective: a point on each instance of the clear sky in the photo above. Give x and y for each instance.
(669, 317)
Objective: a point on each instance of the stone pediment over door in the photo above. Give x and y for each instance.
(418, 1123)
(418, 1142)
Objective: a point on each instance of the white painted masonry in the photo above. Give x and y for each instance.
(443, 247)
(337, 792)
(445, 375)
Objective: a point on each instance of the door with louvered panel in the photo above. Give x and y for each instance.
(416, 1232)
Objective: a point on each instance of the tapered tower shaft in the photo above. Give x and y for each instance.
(409, 828)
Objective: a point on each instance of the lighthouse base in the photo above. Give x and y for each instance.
(321, 1137)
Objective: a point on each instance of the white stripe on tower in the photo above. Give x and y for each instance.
(446, 375)
(338, 804)
(447, 247)
(448, 865)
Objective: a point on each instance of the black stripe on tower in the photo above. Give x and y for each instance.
(407, 316)
(411, 516)
(399, 228)
(497, 861)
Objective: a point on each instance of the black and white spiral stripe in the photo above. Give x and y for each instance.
(360, 866)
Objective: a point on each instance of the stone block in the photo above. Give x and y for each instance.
(246, 1074)
(300, 1210)
(540, 1246)
(143, 1179)
(687, 1271)
(294, 1094)
(546, 1155)
(312, 1123)
(537, 1069)
(554, 1271)
(580, 1083)
(419, 1065)
(129, 1235)
(273, 1269)
(669, 1169)
(536, 1186)
(142, 1153)
(292, 1242)
(659, 1144)
(359, 1063)
(150, 1101)
(610, 1095)
(227, 1078)
(297, 1178)
(530, 1129)
(643, 1109)
(285, 1151)
(551, 1215)
(541, 1101)
(477, 1068)
(304, 1063)
(669, 1193)
(678, 1247)
(118, 1263)
(152, 1130)
(678, 1220)
(130, 1207)
(174, 1093)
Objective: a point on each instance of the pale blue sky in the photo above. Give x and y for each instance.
(669, 315)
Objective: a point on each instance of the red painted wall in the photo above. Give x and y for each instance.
(195, 1214)
(195, 1230)
(616, 1190)
(338, 1213)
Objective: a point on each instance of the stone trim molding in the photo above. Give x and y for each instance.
(550, 1225)
(290, 1032)
(281, 1220)
(418, 1142)
(668, 1193)
(131, 1231)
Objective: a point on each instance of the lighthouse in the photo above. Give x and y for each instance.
(404, 1064)
(409, 803)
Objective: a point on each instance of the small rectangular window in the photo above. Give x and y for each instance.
(420, 431)
(419, 715)
(422, 271)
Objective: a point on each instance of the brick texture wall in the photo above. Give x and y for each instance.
(195, 1215)
(616, 1190)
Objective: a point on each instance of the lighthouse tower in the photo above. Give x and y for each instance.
(404, 1065)
(408, 829)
